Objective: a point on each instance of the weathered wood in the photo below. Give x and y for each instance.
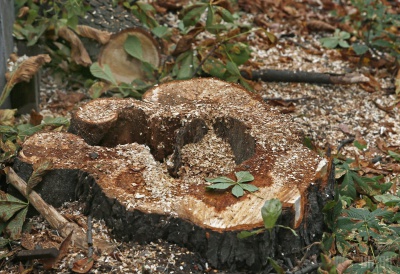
(144, 164)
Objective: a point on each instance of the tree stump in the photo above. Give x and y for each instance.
(143, 166)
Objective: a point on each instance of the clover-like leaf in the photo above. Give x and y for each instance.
(244, 176)
(237, 191)
(219, 186)
(221, 179)
(249, 187)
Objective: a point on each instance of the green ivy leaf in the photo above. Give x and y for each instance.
(270, 212)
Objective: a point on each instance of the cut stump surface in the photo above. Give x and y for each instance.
(148, 161)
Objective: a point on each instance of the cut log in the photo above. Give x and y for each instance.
(144, 165)
(124, 67)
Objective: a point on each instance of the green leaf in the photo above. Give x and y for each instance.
(270, 212)
(276, 267)
(347, 188)
(245, 234)
(225, 14)
(220, 186)
(360, 49)
(394, 155)
(344, 35)
(244, 176)
(214, 67)
(360, 146)
(344, 44)
(9, 205)
(249, 187)
(185, 64)
(193, 16)
(216, 28)
(329, 42)
(14, 227)
(133, 46)
(160, 31)
(361, 268)
(239, 53)
(210, 17)
(3, 243)
(56, 121)
(233, 69)
(221, 179)
(237, 191)
(103, 73)
(387, 199)
(357, 213)
(25, 130)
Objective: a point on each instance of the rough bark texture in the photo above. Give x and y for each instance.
(143, 163)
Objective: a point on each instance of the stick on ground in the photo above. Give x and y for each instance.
(55, 219)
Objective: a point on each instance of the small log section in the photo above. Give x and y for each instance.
(143, 166)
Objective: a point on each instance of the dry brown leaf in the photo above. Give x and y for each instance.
(83, 265)
(27, 241)
(319, 25)
(27, 69)
(185, 43)
(23, 11)
(343, 266)
(172, 4)
(100, 36)
(78, 52)
(35, 118)
(49, 263)
(7, 117)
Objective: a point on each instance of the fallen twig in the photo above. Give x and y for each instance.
(270, 75)
(287, 100)
(55, 219)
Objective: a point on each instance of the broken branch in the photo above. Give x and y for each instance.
(55, 219)
(270, 75)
